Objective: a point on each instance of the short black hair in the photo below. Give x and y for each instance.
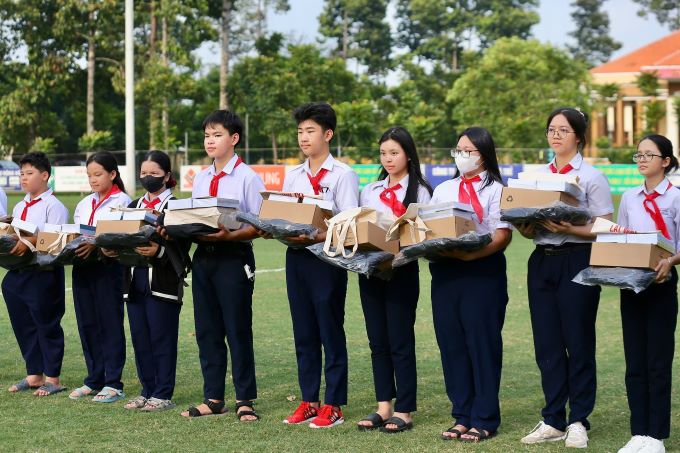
(227, 119)
(38, 160)
(319, 112)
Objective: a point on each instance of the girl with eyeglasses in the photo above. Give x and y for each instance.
(649, 318)
(470, 293)
(563, 313)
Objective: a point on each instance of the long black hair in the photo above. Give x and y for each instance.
(578, 121)
(163, 161)
(483, 141)
(415, 176)
(110, 164)
(665, 148)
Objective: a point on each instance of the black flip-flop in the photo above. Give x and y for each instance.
(455, 431)
(241, 414)
(479, 436)
(401, 425)
(376, 422)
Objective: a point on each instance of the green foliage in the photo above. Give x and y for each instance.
(648, 83)
(511, 90)
(592, 41)
(654, 112)
(45, 145)
(96, 141)
(667, 12)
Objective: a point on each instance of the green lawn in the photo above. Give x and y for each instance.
(59, 424)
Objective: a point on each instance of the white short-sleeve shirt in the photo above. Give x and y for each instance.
(84, 208)
(340, 185)
(632, 213)
(370, 195)
(48, 210)
(489, 197)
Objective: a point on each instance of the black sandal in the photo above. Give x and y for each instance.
(376, 422)
(455, 431)
(479, 435)
(402, 425)
(216, 408)
(241, 414)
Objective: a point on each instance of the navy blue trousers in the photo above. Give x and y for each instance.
(390, 314)
(35, 304)
(468, 308)
(223, 308)
(154, 327)
(649, 319)
(316, 294)
(100, 311)
(563, 315)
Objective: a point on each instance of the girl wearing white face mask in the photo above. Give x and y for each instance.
(470, 293)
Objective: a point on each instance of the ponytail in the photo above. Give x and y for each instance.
(110, 164)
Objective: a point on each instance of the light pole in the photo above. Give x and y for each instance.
(131, 168)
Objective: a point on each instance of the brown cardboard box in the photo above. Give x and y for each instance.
(446, 227)
(513, 197)
(627, 255)
(371, 237)
(46, 239)
(307, 214)
(118, 226)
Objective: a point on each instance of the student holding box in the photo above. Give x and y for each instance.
(154, 295)
(316, 290)
(649, 318)
(224, 275)
(563, 313)
(35, 297)
(470, 293)
(98, 288)
(390, 306)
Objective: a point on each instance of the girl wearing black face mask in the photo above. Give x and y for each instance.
(154, 303)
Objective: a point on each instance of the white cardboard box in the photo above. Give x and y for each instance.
(638, 238)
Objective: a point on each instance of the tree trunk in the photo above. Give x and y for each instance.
(89, 109)
(164, 59)
(345, 35)
(224, 51)
(153, 114)
(275, 150)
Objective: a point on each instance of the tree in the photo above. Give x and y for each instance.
(654, 111)
(667, 12)
(593, 44)
(361, 31)
(514, 86)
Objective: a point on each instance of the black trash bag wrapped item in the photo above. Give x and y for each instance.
(13, 262)
(619, 277)
(67, 255)
(557, 212)
(279, 229)
(125, 243)
(432, 249)
(369, 263)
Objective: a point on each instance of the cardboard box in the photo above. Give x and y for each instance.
(118, 226)
(444, 210)
(27, 227)
(370, 237)
(513, 197)
(558, 186)
(88, 230)
(214, 202)
(147, 215)
(627, 255)
(45, 239)
(307, 214)
(638, 238)
(182, 203)
(211, 217)
(291, 197)
(447, 227)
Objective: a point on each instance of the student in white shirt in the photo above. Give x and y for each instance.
(390, 306)
(3, 202)
(470, 293)
(98, 288)
(650, 317)
(35, 297)
(563, 313)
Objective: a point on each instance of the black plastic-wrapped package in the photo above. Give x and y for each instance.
(368, 263)
(432, 249)
(119, 241)
(619, 277)
(68, 254)
(557, 212)
(13, 262)
(278, 228)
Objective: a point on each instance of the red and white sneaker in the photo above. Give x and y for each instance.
(329, 416)
(303, 414)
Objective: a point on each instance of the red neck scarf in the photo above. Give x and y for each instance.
(28, 205)
(566, 169)
(655, 213)
(467, 195)
(151, 204)
(114, 190)
(215, 182)
(315, 181)
(389, 197)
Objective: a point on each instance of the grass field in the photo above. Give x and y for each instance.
(59, 424)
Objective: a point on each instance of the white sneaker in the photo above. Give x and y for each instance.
(543, 433)
(634, 444)
(577, 436)
(653, 446)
